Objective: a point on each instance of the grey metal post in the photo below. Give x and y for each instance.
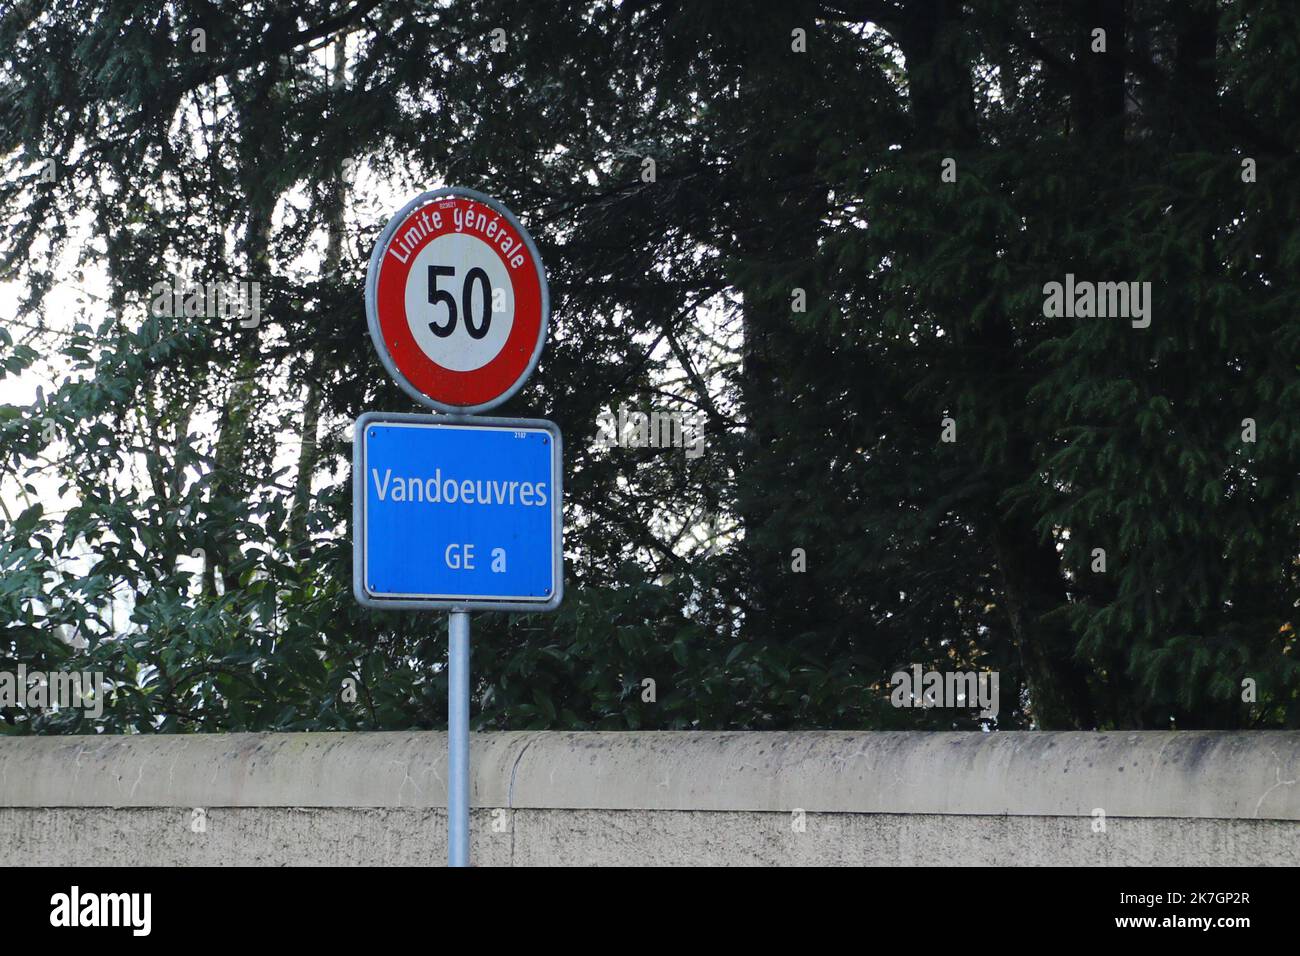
(458, 739)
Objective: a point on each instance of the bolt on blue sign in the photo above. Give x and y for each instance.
(457, 512)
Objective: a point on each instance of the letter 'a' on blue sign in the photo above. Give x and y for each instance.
(457, 512)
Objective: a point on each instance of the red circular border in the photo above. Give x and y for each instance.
(442, 384)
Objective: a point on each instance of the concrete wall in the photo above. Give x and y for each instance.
(657, 798)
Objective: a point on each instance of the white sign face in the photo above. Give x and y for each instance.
(457, 301)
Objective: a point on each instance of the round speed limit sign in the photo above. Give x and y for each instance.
(457, 301)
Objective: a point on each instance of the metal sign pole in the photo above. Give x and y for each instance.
(458, 739)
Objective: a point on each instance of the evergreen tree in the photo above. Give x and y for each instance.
(829, 228)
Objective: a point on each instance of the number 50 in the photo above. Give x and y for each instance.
(437, 295)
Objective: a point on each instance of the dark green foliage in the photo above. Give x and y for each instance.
(775, 170)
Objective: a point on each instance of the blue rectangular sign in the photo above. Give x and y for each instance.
(457, 512)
